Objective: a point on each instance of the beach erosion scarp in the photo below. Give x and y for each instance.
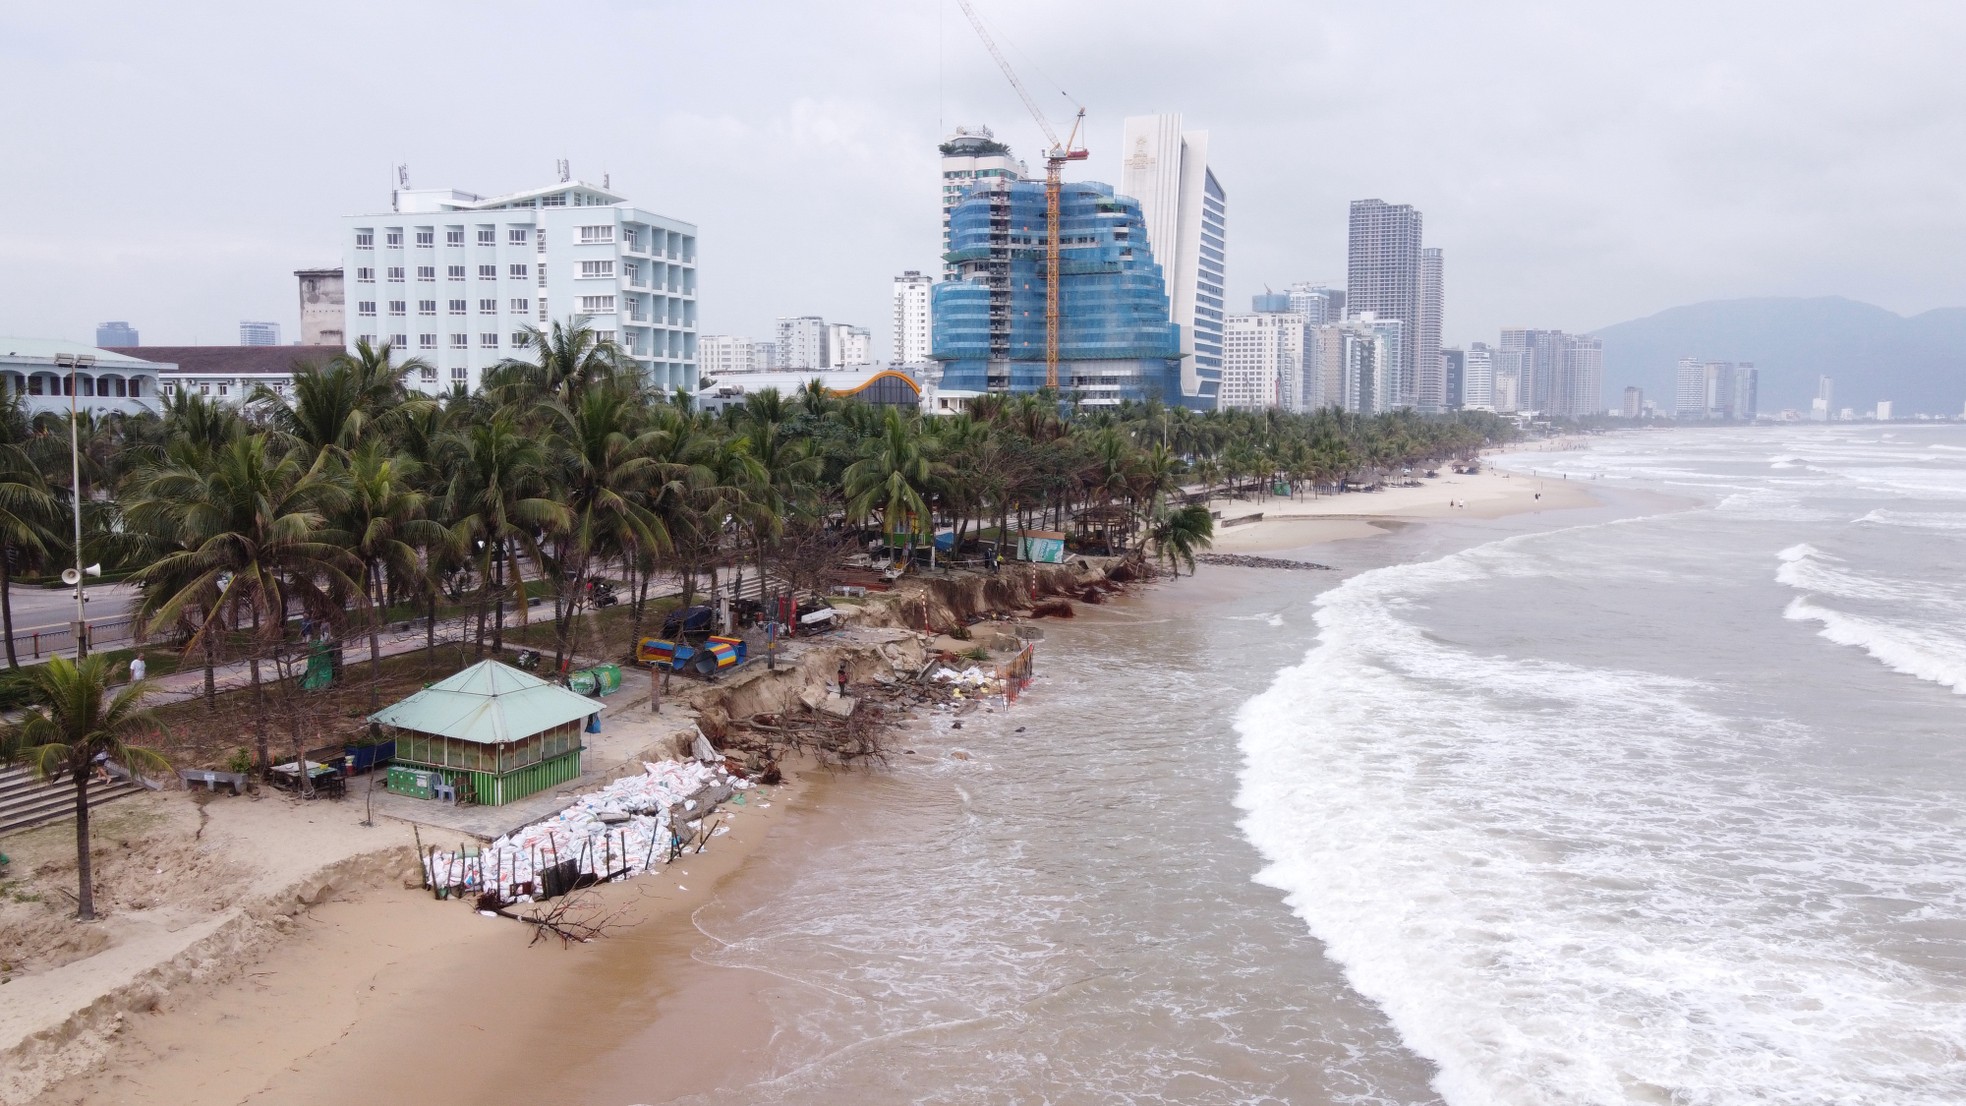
(262, 869)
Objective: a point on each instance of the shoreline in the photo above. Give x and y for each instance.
(259, 1029)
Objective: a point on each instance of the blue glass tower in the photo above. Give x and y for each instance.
(1115, 338)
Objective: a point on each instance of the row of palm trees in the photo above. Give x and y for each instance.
(350, 497)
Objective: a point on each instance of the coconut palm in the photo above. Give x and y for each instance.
(29, 513)
(71, 720)
(891, 477)
(1178, 534)
(385, 519)
(499, 498)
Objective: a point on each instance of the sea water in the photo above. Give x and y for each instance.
(1650, 803)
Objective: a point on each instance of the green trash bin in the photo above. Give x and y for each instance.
(581, 681)
(607, 678)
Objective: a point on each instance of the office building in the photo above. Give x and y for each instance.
(1883, 412)
(456, 279)
(802, 342)
(1634, 405)
(1186, 215)
(972, 156)
(1577, 382)
(323, 314)
(1383, 279)
(1270, 302)
(1115, 338)
(1819, 408)
(1318, 303)
(259, 334)
(116, 334)
(1453, 368)
(1715, 390)
(1264, 360)
(1510, 368)
(1429, 387)
(912, 339)
(1478, 378)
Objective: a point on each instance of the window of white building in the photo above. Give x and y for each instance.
(365, 239)
(521, 306)
(400, 341)
(426, 238)
(365, 307)
(595, 235)
(365, 276)
(460, 341)
(558, 199)
(426, 307)
(393, 238)
(488, 341)
(426, 272)
(517, 272)
(458, 307)
(426, 341)
(456, 272)
(487, 272)
(396, 273)
(454, 236)
(488, 236)
(590, 270)
(517, 236)
(398, 307)
(487, 307)
(520, 339)
(597, 305)
(458, 373)
(429, 373)
(604, 336)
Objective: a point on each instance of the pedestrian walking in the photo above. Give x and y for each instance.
(137, 668)
(842, 678)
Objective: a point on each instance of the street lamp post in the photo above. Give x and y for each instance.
(74, 363)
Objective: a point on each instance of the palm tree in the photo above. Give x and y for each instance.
(569, 358)
(72, 719)
(890, 478)
(1176, 535)
(499, 499)
(251, 536)
(602, 465)
(384, 518)
(28, 513)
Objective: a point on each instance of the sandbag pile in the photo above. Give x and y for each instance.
(619, 831)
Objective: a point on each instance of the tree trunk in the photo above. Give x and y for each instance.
(430, 630)
(376, 613)
(211, 666)
(498, 610)
(85, 898)
(7, 608)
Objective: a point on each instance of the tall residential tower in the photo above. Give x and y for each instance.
(1383, 278)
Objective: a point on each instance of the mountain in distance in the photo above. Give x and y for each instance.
(1918, 363)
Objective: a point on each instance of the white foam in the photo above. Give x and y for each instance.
(1925, 652)
(1568, 884)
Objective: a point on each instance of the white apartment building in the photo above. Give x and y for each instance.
(1356, 365)
(802, 342)
(847, 344)
(912, 336)
(1186, 214)
(1318, 303)
(969, 156)
(727, 354)
(1263, 361)
(456, 278)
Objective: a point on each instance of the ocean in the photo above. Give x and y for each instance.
(1657, 802)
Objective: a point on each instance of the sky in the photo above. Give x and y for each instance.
(1579, 164)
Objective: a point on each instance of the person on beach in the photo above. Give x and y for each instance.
(841, 676)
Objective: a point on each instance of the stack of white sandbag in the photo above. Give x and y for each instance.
(621, 830)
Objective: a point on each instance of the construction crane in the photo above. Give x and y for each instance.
(1055, 157)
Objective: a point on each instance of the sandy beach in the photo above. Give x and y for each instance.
(301, 988)
(1290, 522)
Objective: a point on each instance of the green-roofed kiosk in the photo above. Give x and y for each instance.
(509, 733)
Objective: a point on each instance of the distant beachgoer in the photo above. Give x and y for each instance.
(842, 678)
(1539, 495)
(101, 764)
(137, 668)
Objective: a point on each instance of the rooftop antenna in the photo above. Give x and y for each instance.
(396, 193)
(566, 172)
(606, 182)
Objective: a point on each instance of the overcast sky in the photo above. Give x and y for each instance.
(1579, 163)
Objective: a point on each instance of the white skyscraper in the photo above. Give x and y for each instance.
(847, 344)
(911, 317)
(456, 278)
(719, 355)
(1318, 303)
(1429, 382)
(1186, 213)
(259, 334)
(1478, 378)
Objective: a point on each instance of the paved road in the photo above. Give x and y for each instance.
(38, 608)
